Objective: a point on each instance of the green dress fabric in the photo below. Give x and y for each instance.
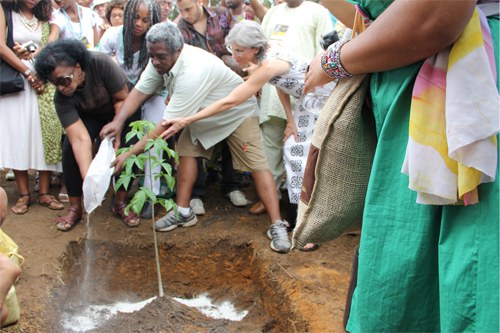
(421, 268)
(51, 127)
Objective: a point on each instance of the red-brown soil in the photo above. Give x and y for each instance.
(226, 254)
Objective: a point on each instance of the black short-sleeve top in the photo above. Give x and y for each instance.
(103, 78)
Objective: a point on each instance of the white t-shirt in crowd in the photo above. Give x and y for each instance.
(71, 30)
(111, 43)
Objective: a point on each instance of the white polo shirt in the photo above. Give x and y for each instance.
(198, 79)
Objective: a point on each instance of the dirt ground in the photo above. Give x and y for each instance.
(226, 254)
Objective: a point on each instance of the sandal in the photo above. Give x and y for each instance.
(53, 204)
(258, 208)
(131, 220)
(63, 197)
(65, 223)
(22, 204)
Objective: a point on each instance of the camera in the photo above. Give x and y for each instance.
(328, 39)
(30, 46)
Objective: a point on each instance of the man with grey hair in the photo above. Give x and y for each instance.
(194, 85)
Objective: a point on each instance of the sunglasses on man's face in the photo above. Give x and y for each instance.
(63, 81)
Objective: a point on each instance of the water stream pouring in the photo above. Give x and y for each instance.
(96, 184)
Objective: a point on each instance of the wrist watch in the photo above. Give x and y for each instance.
(27, 72)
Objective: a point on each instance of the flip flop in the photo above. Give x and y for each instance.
(21, 206)
(53, 204)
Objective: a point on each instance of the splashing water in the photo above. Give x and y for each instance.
(93, 316)
(204, 304)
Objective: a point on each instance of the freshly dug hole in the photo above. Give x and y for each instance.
(127, 273)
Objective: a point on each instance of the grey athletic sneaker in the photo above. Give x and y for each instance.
(175, 219)
(277, 233)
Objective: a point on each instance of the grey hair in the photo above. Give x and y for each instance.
(168, 33)
(248, 34)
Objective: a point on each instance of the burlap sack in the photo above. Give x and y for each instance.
(338, 165)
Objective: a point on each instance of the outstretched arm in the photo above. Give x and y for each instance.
(241, 93)
(81, 144)
(138, 147)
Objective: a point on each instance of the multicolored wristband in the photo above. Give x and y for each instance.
(330, 61)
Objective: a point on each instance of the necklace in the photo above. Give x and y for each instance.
(70, 26)
(30, 24)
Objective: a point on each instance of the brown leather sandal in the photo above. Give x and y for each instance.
(22, 204)
(53, 204)
(258, 208)
(131, 220)
(65, 223)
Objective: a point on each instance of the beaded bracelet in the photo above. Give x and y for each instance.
(330, 61)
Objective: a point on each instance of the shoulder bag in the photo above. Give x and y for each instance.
(11, 80)
(339, 163)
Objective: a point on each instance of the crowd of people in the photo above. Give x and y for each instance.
(226, 83)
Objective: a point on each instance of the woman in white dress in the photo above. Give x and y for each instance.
(23, 143)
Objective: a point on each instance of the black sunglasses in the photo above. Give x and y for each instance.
(63, 81)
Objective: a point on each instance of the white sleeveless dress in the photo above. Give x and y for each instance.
(21, 146)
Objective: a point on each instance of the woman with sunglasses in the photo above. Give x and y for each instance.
(31, 133)
(90, 89)
(268, 63)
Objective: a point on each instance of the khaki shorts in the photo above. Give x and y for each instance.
(245, 144)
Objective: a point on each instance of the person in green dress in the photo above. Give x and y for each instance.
(422, 268)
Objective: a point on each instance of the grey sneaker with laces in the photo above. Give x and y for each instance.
(278, 234)
(175, 219)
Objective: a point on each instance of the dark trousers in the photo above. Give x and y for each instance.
(71, 171)
(230, 178)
